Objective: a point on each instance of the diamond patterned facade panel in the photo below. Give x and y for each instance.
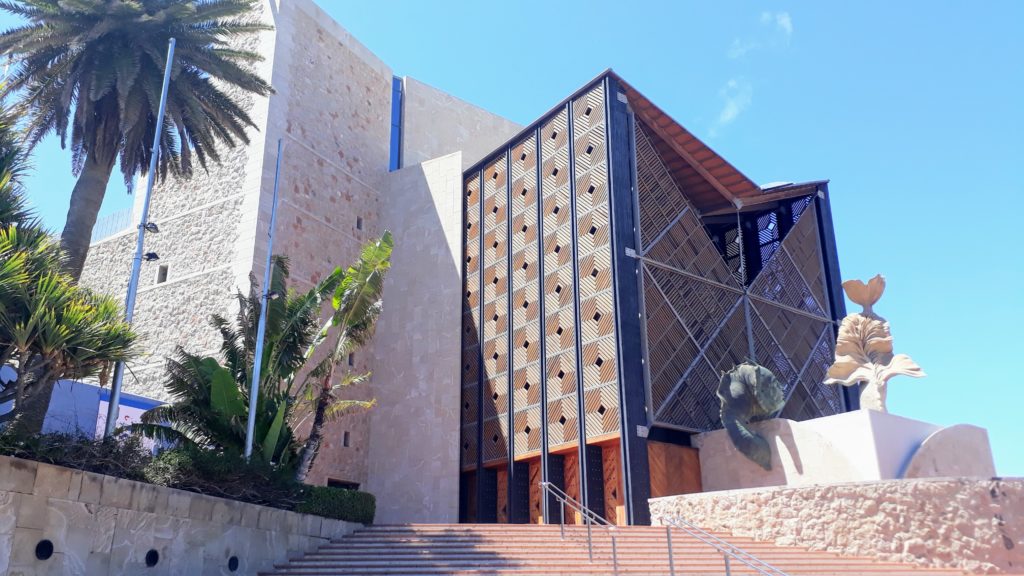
(496, 219)
(526, 298)
(594, 266)
(471, 375)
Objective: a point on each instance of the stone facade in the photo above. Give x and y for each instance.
(104, 525)
(971, 524)
(416, 366)
(332, 110)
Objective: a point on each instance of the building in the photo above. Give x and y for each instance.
(615, 266)
(604, 248)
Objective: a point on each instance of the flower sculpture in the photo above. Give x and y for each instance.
(864, 348)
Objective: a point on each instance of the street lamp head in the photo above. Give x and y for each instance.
(150, 256)
(151, 227)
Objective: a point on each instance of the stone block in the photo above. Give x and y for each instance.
(91, 490)
(75, 485)
(250, 515)
(272, 519)
(10, 502)
(23, 549)
(201, 508)
(179, 503)
(6, 543)
(148, 498)
(117, 492)
(32, 512)
(17, 475)
(311, 525)
(52, 481)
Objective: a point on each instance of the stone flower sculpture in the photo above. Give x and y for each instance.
(749, 392)
(864, 348)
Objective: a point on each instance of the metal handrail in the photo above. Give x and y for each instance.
(726, 549)
(590, 518)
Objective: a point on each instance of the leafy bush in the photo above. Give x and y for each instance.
(192, 469)
(224, 476)
(339, 503)
(123, 456)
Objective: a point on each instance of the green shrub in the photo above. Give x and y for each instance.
(122, 456)
(224, 476)
(339, 503)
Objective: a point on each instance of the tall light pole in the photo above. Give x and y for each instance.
(133, 282)
(261, 330)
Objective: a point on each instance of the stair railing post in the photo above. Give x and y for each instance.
(615, 556)
(671, 559)
(561, 519)
(728, 572)
(590, 541)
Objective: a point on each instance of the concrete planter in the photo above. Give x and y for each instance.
(100, 525)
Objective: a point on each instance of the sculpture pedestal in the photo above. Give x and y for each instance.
(863, 445)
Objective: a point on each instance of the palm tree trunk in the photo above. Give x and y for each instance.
(31, 411)
(312, 445)
(86, 199)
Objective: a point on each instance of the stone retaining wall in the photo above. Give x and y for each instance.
(971, 524)
(101, 525)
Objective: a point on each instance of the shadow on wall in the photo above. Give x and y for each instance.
(414, 429)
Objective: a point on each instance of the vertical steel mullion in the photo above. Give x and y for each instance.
(580, 405)
(641, 281)
(542, 325)
(509, 484)
(625, 452)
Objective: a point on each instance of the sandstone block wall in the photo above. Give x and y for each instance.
(332, 109)
(102, 525)
(971, 524)
(414, 449)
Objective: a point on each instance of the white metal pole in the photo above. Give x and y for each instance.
(254, 388)
(133, 282)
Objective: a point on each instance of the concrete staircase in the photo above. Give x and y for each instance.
(535, 550)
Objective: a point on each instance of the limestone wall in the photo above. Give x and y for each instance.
(102, 525)
(414, 448)
(971, 524)
(435, 123)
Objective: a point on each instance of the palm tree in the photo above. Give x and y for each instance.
(357, 304)
(50, 329)
(94, 68)
(211, 397)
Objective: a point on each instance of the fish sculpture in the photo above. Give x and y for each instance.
(748, 393)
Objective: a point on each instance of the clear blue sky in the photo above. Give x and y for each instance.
(914, 110)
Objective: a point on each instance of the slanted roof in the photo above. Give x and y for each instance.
(709, 181)
(773, 194)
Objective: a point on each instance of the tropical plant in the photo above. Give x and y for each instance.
(211, 399)
(357, 305)
(50, 329)
(93, 69)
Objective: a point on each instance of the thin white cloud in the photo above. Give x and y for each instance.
(781, 20)
(737, 95)
(740, 48)
(782, 30)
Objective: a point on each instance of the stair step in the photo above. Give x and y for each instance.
(530, 549)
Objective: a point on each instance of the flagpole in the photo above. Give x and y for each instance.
(133, 282)
(257, 363)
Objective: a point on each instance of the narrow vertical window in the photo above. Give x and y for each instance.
(161, 274)
(397, 96)
(351, 359)
(359, 222)
(345, 439)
